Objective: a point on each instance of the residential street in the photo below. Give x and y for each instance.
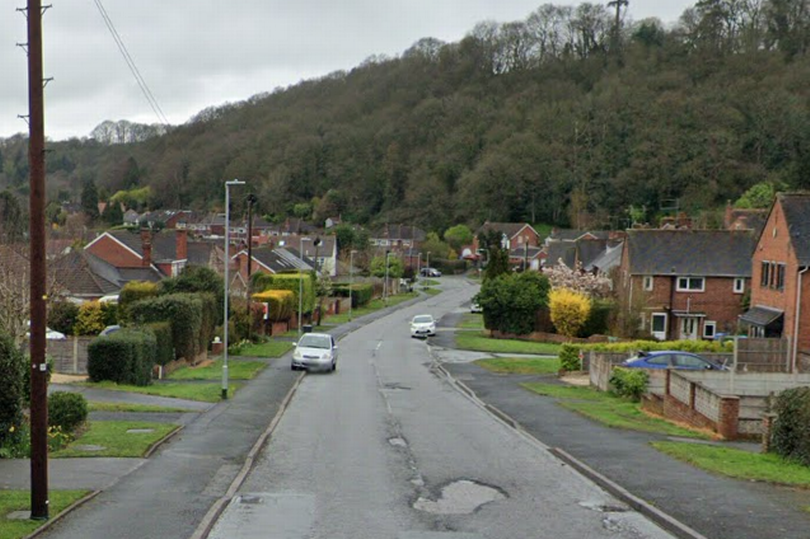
(385, 448)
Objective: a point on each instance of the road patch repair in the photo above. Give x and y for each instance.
(460, 498)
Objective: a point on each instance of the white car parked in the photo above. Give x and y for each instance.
(423, 325)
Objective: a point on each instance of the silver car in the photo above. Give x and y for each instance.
(315, 351)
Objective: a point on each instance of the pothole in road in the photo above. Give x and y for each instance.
(603, 508)
(460, 498)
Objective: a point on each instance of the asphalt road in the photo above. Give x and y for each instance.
(386, 448)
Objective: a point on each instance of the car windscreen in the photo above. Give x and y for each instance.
(315, 341)
(422, 319)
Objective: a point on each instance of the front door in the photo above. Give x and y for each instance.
(689, 328)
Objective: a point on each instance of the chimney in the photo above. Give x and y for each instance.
(181, 248)
(146, 247)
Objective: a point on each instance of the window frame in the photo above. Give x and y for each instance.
(648, 283)
(662, 333)
(709, 324)
(688, 288)
(739, 285)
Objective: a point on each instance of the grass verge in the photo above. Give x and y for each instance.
(611, 411)
(372, 306)
(738, 464)
(175, 390)
(472, 321)
(116, 441)
(482, 343)
(20, 500)
(237, 370)
(270, 349)
(519, 365)
(431, 291)
(98, 406)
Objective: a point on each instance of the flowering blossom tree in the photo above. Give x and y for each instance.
(595, 286)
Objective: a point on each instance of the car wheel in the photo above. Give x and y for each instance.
(334, 366)
(293, 368)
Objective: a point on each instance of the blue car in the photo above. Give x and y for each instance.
(675, 359)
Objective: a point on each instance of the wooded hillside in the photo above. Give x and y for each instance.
(566, 118)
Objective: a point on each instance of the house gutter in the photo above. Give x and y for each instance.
(795, 351)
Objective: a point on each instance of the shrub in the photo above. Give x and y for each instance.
(361, 293)
(696, 347)
(185, 314)
(131, 292)
(790, 436)
(109, 313)
(164, 346)
(91, 319)
(66, 410)
(511, 301)
(280, 304)
(569, 357)
(240, 320)
(289, 281)
(599, 319)
(62, 316)
(629, 383)
(125, 357)
(197, 279)
(12, 367)
(569, 310)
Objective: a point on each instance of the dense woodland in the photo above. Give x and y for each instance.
(576, 116)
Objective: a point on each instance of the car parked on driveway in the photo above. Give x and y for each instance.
(315, 351)
(475, 307)
(674, 359)
(430, 272)
(423, 325)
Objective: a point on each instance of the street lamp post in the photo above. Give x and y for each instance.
(228, 184)
(427, 263)
(385, 283)
(418, 265)
(300, 284)
(351, 281)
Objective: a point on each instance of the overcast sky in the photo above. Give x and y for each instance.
(197, 53)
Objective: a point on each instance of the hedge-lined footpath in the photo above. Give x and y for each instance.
(569, 353)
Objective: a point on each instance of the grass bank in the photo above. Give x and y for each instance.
(127, 439)
(175, 390)
(269, 349)
(237, 370)
(20, 500)
(467, 340)
(519, 365)
(372, 306)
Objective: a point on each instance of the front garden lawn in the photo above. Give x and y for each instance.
(116, 441)
(610, 410)
(20, 500)
(738, 464)
(98, 406)
(472, 321)
(270, 349)
(176, 390)
(372, 306)
(237, 370)
(466, 340)
(520, 365)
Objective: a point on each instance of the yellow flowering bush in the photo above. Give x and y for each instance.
(569, 310)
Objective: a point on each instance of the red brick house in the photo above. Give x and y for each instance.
(688, 284)
(166, 251)
(521, 239)
(780, 292)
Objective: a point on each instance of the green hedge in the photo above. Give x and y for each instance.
(629, 383)
(66, 410)
(598, 318)
(132, 292)
(288, 281)
(185, 314)
(62, 316)
(449, 267)
(790, 436)
(12, 366)
(164, 345)
(361, 293)
(124, 357)
(696, 347)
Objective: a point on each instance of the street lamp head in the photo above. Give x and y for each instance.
(234, 182)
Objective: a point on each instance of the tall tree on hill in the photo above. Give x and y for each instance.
(89, 200)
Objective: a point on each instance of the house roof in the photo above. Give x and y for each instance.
(761, 316)
(164, 243)
(569, 234)
(83, 274)
(326, 248)
(510, 229)
(610, 258)
(565, 251)
(796, 207)
(279, 260)
(717, 253)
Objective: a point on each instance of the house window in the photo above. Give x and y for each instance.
(658, 326)
(780, 277)
(739, 286)
(709, 329)
(648, 282)
(691, 284)
(520, 240)
(766, 274)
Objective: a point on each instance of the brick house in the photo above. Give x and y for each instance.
(780, 291)
(166, 251)
(687, 284)
(521, 239)
(397, 237)
(269, 260)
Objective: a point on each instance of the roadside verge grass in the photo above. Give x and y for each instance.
(98, 406)
(610, 410)
(271, 349)
(175, 390)
(20, 500)
(237, 370)
(519, 365)
(738, 464)
(372, 306)
(467, 340)
(472, 321)
(116, 441)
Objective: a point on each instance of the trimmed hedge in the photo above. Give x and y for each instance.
(66, 410)
(790, 436)
(131, 292)
(449, 267)
(696, 347)
(124, 357)
(164, 346)
(62, 316)
(12, 367)
(361, 293)
(289, 281)
(598, 320)
(281, 304)
(185, 314)
(629, 383)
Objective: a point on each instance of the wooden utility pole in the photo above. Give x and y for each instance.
(36, 159)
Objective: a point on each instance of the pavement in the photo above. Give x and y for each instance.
(191, 473)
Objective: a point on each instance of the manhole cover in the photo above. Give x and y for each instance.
(460, 498)
(88, 447)
(140, 431)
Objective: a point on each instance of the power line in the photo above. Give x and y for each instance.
(133, 68)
